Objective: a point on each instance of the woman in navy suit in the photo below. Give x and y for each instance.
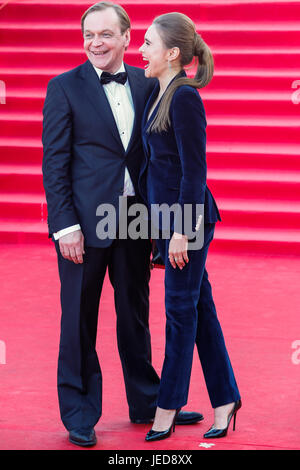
(174, 172)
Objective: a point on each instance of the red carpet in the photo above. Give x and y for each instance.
(258, 302)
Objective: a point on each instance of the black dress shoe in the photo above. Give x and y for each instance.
(188, 417)
(142, 420)
(183, 417)
(83, 437)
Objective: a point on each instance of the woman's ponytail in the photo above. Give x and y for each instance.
(205, 67)
(178, 30)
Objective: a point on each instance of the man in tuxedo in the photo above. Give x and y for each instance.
(92, 156)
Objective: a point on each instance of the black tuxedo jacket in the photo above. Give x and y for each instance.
(84, 160)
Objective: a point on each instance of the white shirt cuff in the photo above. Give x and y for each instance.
(65, 231)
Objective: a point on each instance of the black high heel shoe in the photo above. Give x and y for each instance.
(213, 433)
(159, 435)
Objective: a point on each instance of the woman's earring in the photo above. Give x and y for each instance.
(169, 65)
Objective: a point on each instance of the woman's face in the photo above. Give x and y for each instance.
(155, 53)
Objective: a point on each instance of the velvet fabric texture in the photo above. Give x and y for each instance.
(192, 319)
(174, 171)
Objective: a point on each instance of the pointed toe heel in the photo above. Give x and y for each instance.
(214, 433)
(159, 435)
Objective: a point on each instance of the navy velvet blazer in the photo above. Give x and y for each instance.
(84, 159)
(174, 169)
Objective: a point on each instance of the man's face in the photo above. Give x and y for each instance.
(104, 43)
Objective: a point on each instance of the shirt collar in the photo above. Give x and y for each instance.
(99, 71)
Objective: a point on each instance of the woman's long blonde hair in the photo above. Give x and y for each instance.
(178, 30)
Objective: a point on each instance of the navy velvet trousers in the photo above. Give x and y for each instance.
(192, 319)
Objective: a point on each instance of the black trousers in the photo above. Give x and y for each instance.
(79, 371)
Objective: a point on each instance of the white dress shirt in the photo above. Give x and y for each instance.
(120, 100)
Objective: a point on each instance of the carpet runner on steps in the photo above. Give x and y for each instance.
(252, 106)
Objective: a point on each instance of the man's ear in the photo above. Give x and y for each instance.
(127, 37)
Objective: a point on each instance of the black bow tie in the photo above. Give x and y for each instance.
(108, 77)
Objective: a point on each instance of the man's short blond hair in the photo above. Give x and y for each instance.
(100, 6)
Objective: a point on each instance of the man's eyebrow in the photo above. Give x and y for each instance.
(104, 31)
(146, 39)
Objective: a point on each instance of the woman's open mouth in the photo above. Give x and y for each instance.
(148, 64)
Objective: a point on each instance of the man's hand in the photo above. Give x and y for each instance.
(72, 246)
(178, 247)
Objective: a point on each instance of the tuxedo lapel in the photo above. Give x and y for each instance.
(97, 97)
(144, 130)
(145, 121)
(137, 93)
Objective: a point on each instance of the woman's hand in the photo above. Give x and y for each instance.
(178, 250)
